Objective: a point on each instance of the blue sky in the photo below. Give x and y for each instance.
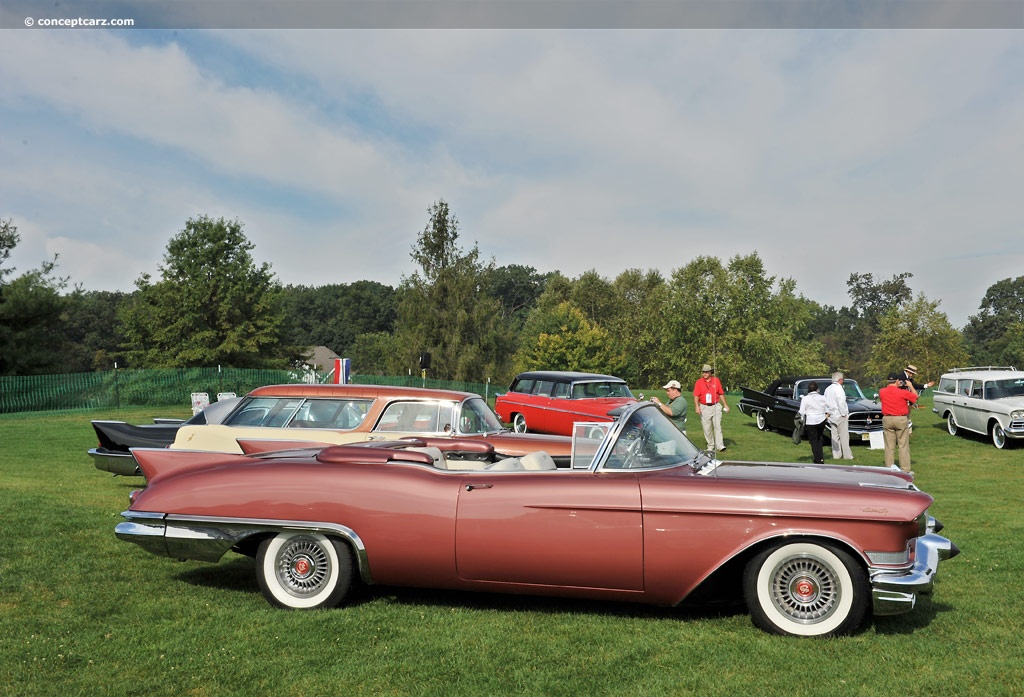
(827, 151)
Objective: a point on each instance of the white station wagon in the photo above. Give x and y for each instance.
(987, 400)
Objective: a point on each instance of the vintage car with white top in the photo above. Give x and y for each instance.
(641, 515)
(986, 400)
(340, 414)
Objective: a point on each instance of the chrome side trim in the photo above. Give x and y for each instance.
(207, 538)
(895, 591)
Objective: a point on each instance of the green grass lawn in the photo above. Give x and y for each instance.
(82, 613)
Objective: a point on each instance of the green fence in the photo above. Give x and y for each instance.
(115, 389)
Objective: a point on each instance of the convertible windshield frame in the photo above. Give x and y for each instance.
(642, 438)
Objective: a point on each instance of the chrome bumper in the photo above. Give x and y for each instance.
(209, 538)
(895, 592)
(115, 462)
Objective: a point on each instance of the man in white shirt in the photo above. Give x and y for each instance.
(839, 418)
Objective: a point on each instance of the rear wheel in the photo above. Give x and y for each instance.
(301, 570)
(759, 420)
(519, 423)
(806, 589)
(998, 436)
(951, 425)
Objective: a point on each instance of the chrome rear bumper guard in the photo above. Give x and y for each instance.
(895, 592)
(115, 462)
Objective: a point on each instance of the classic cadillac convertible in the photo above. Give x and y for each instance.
(642, 515)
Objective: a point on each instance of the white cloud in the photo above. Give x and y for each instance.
(826, 152)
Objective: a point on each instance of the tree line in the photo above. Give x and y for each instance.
(212, 304)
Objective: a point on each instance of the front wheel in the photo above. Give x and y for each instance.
(519, 423)
(806, 589)
(304, 571)
(759, 420)
(998, 436)
(951, 425)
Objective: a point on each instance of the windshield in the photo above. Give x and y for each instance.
(851, 387)
(475, 417)
(649, 440)
(599, 389)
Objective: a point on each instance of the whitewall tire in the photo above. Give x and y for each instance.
(304, 570)
(806, 589)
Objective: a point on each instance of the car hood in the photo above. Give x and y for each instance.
(864, 405)
(814, 474)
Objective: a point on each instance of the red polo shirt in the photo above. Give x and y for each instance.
(896, 401)
(707, 391)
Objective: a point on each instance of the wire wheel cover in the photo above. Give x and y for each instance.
(303, 566)
(805, 589)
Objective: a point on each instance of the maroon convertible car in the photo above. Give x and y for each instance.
(641, 515)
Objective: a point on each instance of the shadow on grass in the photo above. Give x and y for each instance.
(484, 602)
(923, 614)
(239, 575)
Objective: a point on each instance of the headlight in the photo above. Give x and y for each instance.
(923, 523)
(890, 558)
(1017, 414)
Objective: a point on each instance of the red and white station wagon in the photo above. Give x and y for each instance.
(551, 401)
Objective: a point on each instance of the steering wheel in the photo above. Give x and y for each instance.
(636, 450)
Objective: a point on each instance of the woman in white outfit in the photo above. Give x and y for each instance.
(815, 412)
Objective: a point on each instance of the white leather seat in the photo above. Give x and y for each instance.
(539, 460)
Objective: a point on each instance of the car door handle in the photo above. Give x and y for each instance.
(470, 487)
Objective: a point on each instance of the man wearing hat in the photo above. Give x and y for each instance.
(675, 408)
(910, 374)
(897, 397)
(709, 401)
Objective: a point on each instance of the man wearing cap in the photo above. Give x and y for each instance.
(897, 397)
(675, 408)
(709, 401)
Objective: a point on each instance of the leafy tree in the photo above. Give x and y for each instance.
(30, 313)
(995, 336)
(748, 325)
(92, 335)
(849, 333)
(873, 300)
(916, 332)
(377, 353)
(335, 315)
(212, 305)
(447, 309)
(637, 326)
(564, 339)
(516, 288)
(694, 317)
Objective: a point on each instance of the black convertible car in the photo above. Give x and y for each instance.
(776, 408)
(116, 438)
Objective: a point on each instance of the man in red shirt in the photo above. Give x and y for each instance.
(897, 398)
(709, 402)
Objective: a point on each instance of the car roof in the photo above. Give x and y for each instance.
(365, 391)
(985, 373)
(565, 376)
(793, 379)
